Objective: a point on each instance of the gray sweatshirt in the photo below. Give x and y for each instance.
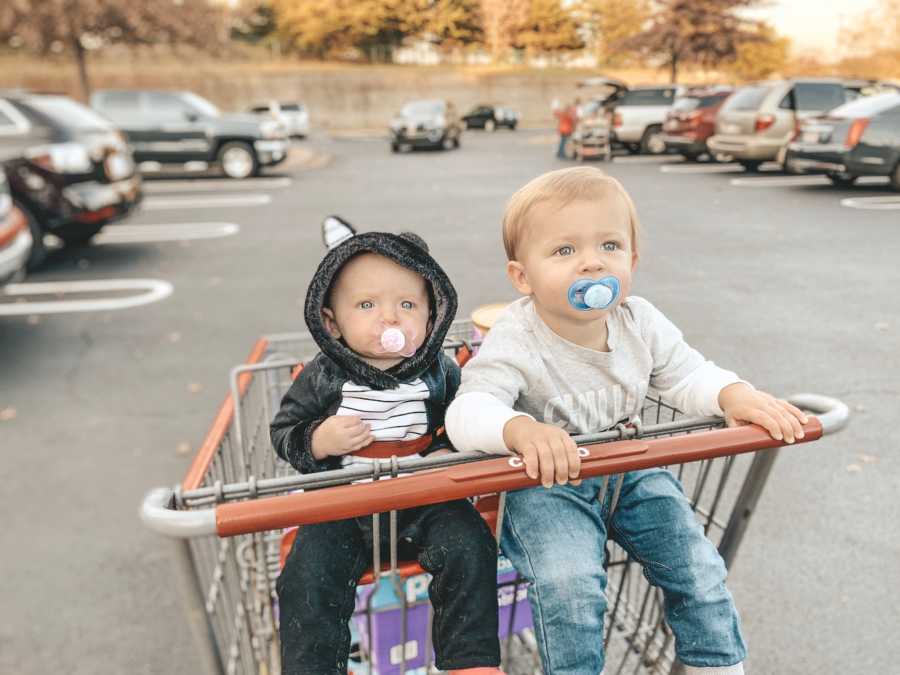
(523, 367)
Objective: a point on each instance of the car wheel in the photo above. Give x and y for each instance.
(750, 165)
(395, 147)
(448, 143)
(512, 127)
(39, 251)
(80, 236)
(691, 156)
(841, 179)
(652, 142)
(490, 125)
(238, 160)
(895, 178)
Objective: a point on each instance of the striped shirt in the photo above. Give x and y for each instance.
(393, 414)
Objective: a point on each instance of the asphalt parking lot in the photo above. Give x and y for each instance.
(784, 279)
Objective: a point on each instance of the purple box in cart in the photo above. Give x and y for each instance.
(385, 616)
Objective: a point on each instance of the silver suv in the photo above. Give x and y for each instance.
(756, 122)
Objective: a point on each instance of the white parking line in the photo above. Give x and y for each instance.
(876, 203)
(152, 290)
(163, 204)
(647, 159)
(146, 234)
(770, 181)
(214, 185)
(700, 168)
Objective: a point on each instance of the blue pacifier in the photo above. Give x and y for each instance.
(587, 294)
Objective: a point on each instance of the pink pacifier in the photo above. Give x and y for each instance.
(393, 340)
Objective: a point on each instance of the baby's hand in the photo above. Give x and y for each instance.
(548, 451)
(340, 435)
(742, 405)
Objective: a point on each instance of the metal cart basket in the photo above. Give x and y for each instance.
(229, 516)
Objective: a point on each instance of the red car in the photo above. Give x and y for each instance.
(693, 120)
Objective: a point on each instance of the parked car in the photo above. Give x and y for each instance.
(692, 120)
(638, 115)
(177, 127)
(489, 117)
(860, 138)
(15, 238)
(755, 123)
(70, 172)
(426, 124)
(294, 116)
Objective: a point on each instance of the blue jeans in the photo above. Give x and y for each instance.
(556, 539)
(561, 150)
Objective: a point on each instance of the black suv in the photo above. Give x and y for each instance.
(178, 127)
(426, 124)
(70, 172)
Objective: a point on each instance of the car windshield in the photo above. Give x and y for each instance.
(71, 114)
(867, 106)
(747, 98)
(200, 104)
(422, 108)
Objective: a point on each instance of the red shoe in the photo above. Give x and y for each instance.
(477, 671)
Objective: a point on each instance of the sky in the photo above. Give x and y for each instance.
(813, 25)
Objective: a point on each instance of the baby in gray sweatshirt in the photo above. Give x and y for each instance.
(577, 355)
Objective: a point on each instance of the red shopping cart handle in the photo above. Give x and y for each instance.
(478, 478)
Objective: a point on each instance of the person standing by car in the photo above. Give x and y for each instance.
(565, 125)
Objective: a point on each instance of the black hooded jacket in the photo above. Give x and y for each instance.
(317, 392)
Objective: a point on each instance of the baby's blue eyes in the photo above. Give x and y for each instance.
(569, 250)
(368, 304)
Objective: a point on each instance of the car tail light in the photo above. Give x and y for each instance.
(62, 158)
(617, 120)
(92, 217)
(763, 122)
(693, 119)
(856, 131)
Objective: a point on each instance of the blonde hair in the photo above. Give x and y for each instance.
(563, 186)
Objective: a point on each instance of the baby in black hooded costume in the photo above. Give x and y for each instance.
(379, 307)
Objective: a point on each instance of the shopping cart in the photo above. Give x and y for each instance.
(592, 137)
(231, 513)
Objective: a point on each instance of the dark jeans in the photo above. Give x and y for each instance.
(561, 150)
(317, 587)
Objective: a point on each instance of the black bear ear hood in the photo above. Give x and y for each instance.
(406, 249)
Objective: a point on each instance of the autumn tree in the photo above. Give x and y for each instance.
(375, 27)
(454, 23)
(548, 27)
(502, 20)
(610, 23)
(83, 26)
(253, 21)
(699, 32)
(758, 59)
